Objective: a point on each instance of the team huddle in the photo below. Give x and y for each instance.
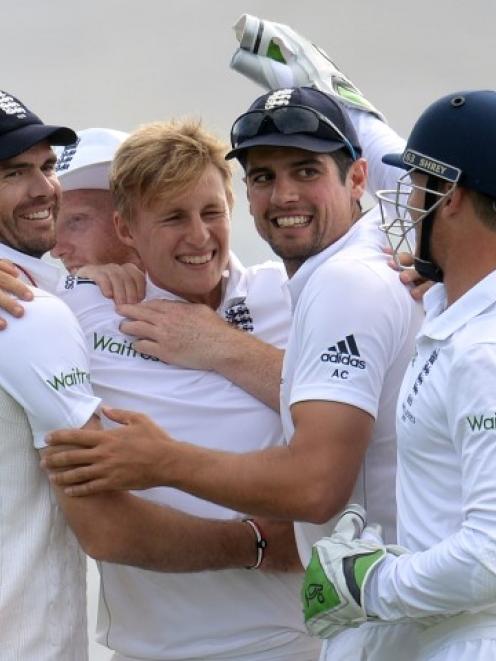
(290, 461)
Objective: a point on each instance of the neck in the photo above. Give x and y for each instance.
(469, 264)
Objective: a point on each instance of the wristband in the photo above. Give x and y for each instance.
(261, 544)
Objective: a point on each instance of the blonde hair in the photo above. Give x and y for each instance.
(161, 160)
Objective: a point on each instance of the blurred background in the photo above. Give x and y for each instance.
(118, 63)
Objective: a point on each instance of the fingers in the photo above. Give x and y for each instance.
(137, 283)
(149, 348)
(6, 266)
(139, 329)
(122, 416)
(87, 488)
(373, 533)
(405, 259)
(351, 522)
(10, 305)
(83, 437)
(419, 291)
(57, 459)
(11, 284)
(124, 283)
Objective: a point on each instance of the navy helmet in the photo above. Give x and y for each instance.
(455, 139)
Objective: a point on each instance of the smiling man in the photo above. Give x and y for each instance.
(85, 232)
(352, 335)
(44, 384)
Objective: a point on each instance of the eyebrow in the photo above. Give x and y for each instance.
(293, 164)
(12, 164)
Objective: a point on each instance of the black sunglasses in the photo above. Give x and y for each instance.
(287, 120)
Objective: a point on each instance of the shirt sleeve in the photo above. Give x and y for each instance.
(45, 368)
(376, 139)
(346, 338)
(458, 573)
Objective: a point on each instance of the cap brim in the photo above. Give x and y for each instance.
(18, 141)
(396, 160)
(297, 140)
(94, 176)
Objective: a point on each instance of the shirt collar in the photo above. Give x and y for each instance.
(40, 273)
(364, 228)
(234, 285)
(442, 321)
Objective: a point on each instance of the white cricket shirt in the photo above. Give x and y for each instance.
(353, 331)
(44, 385)
(230, 614)
(446, 423)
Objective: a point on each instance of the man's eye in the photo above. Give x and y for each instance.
(261, 178)
(12, 174)
(308, 172)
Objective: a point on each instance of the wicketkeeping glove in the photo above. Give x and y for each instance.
(273, 55)
(336, 576)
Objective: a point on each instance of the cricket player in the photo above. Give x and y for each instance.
(445, 415)
(44, 384)
(85, 232)
(346, 353)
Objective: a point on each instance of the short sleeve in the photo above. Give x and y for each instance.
(45, 367)
(349, 326)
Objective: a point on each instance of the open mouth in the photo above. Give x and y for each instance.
(41, 214)
(196, 260)
(292, 221)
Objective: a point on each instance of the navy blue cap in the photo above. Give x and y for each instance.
(307, 97)
(455, 139)
(20, 129)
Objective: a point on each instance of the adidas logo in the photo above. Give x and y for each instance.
(344, 352)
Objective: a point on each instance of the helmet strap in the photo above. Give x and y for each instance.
(423, 263)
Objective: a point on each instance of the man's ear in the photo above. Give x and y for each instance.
(357, 176)
(453, 202)
(123, 229)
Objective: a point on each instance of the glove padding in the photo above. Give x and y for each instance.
(274, 56)
(338, 571)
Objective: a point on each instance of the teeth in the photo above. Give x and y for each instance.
(196, 259)
(38, 215)
(292, 221)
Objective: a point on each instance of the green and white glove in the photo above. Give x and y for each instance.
(274, 56)
(338, 571)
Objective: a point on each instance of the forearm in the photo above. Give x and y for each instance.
(448, 578)
(128, 530)
(277, 482)
(252, 365)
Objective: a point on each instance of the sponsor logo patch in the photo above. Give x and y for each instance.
(72, 280)
(238, 314)
(68, 379)
(278, 98)
(406, 405)
(481, 422)
(118, 347)
(65, 158)
(345, 352)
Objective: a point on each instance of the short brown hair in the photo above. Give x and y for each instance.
(485, 208)
(162, 159)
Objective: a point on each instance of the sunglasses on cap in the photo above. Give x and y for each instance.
(287, 120)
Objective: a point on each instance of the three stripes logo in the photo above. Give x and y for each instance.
(344, 352)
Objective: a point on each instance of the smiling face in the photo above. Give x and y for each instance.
(299, 202)
(183, 241)
(29, 200)
(85, 232)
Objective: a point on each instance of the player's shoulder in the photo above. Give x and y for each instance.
(83, 295)
(46, 319)
(268, 270)
(478, 334)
